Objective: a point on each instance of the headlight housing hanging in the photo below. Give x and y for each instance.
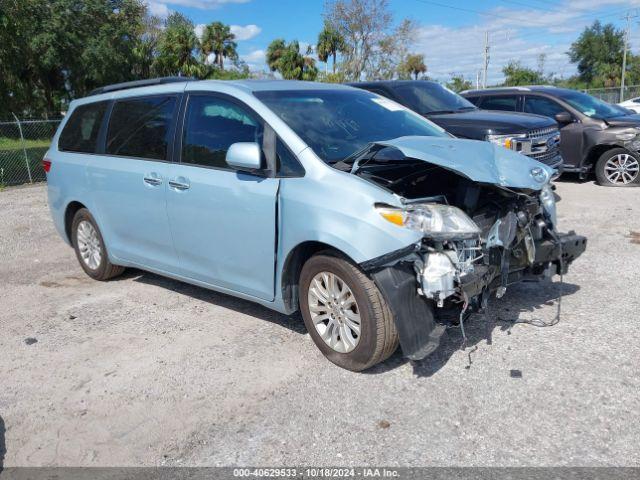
(440, 222)
(548, 200)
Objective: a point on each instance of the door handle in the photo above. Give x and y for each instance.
(179, 184)
(153, 180)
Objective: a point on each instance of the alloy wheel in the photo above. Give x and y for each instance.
(89, 245)
(621, 169)
(334, 312)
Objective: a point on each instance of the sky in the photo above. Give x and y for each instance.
(450, 33)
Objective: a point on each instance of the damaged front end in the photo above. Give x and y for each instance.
(478, 238)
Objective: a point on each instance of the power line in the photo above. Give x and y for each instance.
(512, 19)
(470, 10)
(531, 34)
(536, 7)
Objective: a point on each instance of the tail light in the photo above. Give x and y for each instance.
(46, 164)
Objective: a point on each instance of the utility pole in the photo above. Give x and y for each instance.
(628, 18)
(486, 59)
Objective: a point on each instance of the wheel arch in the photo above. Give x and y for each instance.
(69, 213)
(597, 150)
(292, 267)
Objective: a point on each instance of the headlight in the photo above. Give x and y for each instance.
(548, 199)
(441, 222)
(506, 141)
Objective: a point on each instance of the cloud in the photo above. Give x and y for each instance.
(257, 56)
(245, 32)
(520, 34)
(199, 30)
(158, 9)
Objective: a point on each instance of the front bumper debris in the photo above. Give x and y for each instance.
(567, 248)
(414, 317)
(421, 316)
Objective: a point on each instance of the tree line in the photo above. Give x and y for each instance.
(54, 51)
(597, 53)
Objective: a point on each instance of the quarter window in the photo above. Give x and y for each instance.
(542, 106)
(80, 134)
(506, 103)
(141, 127)
(211, 126)
(287, 164)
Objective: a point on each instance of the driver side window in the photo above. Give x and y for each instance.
(211, 126)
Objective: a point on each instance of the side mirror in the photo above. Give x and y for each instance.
(563, 118)
(245, 156)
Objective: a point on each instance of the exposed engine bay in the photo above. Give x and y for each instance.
(512, 237)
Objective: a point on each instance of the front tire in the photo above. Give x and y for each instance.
(345, 313)
(90, 248)
(617, 168)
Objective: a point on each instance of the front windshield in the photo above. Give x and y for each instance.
(591, 106)
(429, 97)
(338, 123)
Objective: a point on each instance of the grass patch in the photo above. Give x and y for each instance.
(16, 144)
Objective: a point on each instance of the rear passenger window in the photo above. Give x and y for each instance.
(211, 126)
(141, 127)
(80, 134)
(506, 103)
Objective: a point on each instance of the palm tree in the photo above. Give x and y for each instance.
(413, 65)
(275, 51)
(330, 42)
(176, 46)
(218, 39)
(287, 59)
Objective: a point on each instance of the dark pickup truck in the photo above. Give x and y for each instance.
(533, 135)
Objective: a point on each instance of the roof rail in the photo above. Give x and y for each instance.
(138, 83)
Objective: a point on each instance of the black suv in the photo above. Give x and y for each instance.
(533, 135)
(595, 134)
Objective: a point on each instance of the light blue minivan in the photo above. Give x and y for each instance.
(375, 223)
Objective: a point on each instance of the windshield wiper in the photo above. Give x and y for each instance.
(464, 109)
(439, 112)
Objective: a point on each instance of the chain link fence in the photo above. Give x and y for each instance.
(23, 143)
(612, 94)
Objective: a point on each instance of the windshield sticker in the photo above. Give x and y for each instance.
(388, 104)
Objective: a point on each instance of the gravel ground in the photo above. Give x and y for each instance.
(148, 371)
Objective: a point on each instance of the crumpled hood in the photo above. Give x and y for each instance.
(477, 160)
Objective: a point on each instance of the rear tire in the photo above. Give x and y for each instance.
(377, 338)
(90, 248)
(617, 168)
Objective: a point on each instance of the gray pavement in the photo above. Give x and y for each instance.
(149, 371)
